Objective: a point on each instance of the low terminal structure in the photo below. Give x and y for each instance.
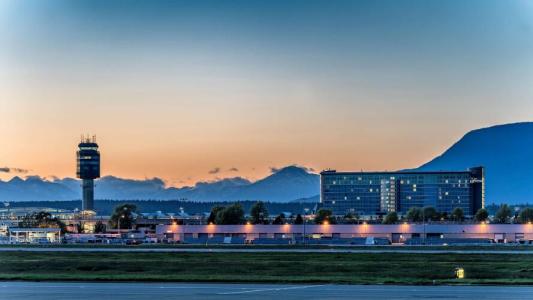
(401, 233)
(34, 235)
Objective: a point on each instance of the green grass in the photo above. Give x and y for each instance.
(506, 247)
(388, 268)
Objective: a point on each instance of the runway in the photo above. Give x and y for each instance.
(162, 291)
(261, 250)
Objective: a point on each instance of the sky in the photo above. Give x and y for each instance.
(200, 90)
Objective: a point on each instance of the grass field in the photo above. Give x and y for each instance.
(388, 268)
(489, 247)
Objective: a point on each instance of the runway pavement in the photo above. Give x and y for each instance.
(259, 250)
(162, 291)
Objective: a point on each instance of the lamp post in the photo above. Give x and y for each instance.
(119, 228)
(305, 221)
(424, 223)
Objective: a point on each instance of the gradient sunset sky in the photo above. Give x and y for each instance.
(177, 89)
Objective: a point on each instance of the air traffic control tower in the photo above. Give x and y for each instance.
(88, 169)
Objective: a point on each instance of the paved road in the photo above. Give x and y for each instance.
(162, 291)
(258, 250)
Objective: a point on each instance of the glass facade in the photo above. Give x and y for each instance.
(88, 161)
(88, 169)
(372, 193)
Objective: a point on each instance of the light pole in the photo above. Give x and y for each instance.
(305, 221)
(120, 229)
(424, 223)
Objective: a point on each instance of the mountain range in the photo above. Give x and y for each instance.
(504, 151)
(283, 185)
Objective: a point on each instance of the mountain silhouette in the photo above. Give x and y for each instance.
(283, 185)
(506, 153)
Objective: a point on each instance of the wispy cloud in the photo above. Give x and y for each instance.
(214, 170)
(307, 169)
(274, 169)
(13, 170)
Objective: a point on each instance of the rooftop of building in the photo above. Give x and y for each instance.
(400, 172)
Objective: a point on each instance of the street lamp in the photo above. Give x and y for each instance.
(424, 223)
(305, 221)
(120, 229)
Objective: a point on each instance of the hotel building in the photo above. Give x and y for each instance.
(377, 193)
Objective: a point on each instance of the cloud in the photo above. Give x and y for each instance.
(13, 170)
(214, 170)
(233, 169)
(307, 169)
(274, 169)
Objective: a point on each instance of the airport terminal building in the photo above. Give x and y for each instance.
(377, 193)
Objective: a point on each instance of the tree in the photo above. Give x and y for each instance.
(323, 215)
(391, 218)
(99, 227)
(526, 215)
(299, 220)
(430, 213)
(457, 214)
(351, 218)
(123, 215)
(231, 215)
(213, 215)
(42, 219)
(414, 214)
(259, 213)
(80, 228)
(503, 214)
(481, 215)
(279, 220)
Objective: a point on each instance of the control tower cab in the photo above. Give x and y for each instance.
(88, 169)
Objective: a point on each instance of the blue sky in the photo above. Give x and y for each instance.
(177, 88)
